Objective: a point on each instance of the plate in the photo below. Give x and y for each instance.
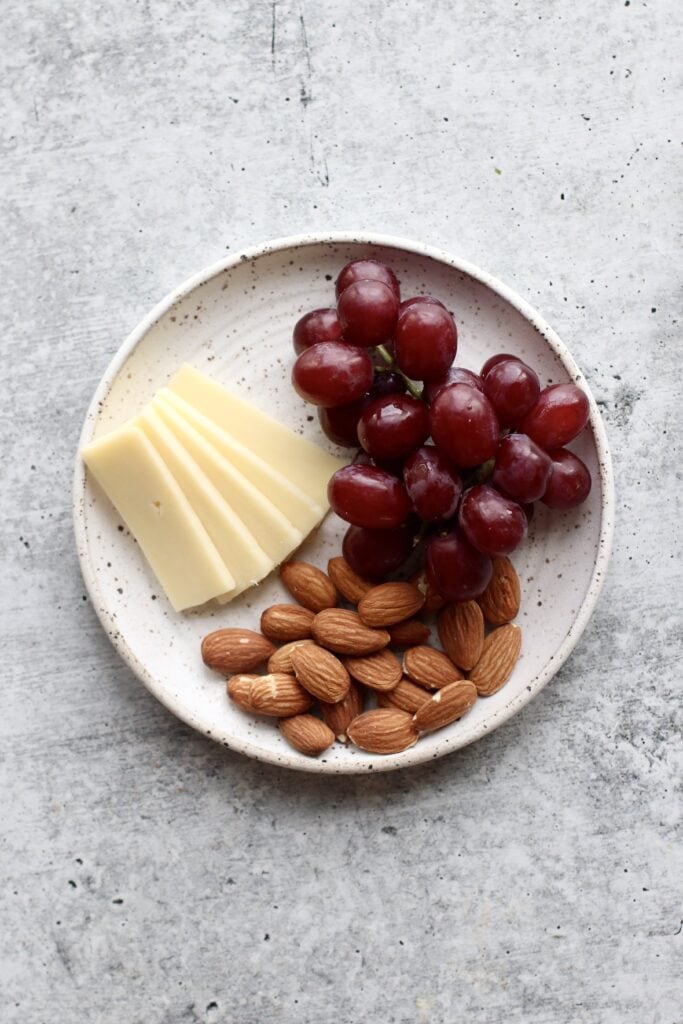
(234, 321)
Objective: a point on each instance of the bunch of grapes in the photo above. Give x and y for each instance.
(498, 440)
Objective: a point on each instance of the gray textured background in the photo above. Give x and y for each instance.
(149, 876)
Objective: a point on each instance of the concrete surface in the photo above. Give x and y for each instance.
(149, 876)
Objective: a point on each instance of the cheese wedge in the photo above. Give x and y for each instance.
(307, 465)
(235, 543)
(150, 501)
(187, 453)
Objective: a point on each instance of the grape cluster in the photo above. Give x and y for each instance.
(498, 440)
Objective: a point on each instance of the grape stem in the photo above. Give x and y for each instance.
(386, 355)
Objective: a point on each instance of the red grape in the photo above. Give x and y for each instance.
(341, 423)
(560, 413)
(367, 496)
(432, 485)
(375, 553)
(393, 426)
(367, 312)
(464, 425)
(387, 382)
(332, 373)
(522, 468)
(367, 270)
(512, 388)
(492, 523)
(419, 300)
(493, 361)
(455, 569)
(426, 341)
(455, 375)
(314, 327)
(570, 481)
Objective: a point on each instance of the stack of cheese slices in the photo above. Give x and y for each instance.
(215, 492)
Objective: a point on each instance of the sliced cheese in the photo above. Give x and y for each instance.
(150, 501)
(307, 465)
(236, 544)
(191, 457)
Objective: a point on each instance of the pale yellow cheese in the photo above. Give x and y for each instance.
(307, 465)
(235, 543)
(168, 530)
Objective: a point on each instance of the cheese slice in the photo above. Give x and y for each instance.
(301, 510)
(235, 543)
(307, 465)
(168, 530)
(188, 454)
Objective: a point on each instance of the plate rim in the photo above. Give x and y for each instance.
(363, 762)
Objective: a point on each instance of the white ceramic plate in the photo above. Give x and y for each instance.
(234, 320)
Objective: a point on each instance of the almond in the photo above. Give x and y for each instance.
(501, 599)
(461, 631)
(309, 585)
(410, 633)
(321, 673)
(349, 584)
(281, 661)
(340, 715)
(381, 671)
(433, 599)
(446, 705)
(407, 696)
(498, 658)
(344, 632)
(383, 731)
(286, 622)
(389, 603)
(430, 668)
(239, 690)
(307, 734)
(280, 695)
(235, 650)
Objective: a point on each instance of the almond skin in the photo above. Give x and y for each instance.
(498, 658)
(430, 668)
(281, 661)
(349, 584)
(501, 599)
(307, 734)
(461, 632)
(308, 585)
(344, 632)
(239, 690)
(340, 715)
(390, 603)
(433, 599)
(383, 731)
(410, 633)
(279, 695)
(446, 705)
(407, 696)
(321, 673)
(235, 650)
(285, 622)
(380, 671)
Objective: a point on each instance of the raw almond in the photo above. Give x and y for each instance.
(433, 599)
(380, 671)
(307, 734)
(501, 599)
(407, 696)
(389, 603)
(461, 631)
(446, 705)
(383, 731)
(430, 668)
(321, 673)
(498, 658)
(340, 715)
(280, 695)
(235, 650)
(286, 622)
(410, 633)
(349, 584)
(239, 690)
(344, 632)
(309, 585)
(281, 661)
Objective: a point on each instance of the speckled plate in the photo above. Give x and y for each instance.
(234, 320)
